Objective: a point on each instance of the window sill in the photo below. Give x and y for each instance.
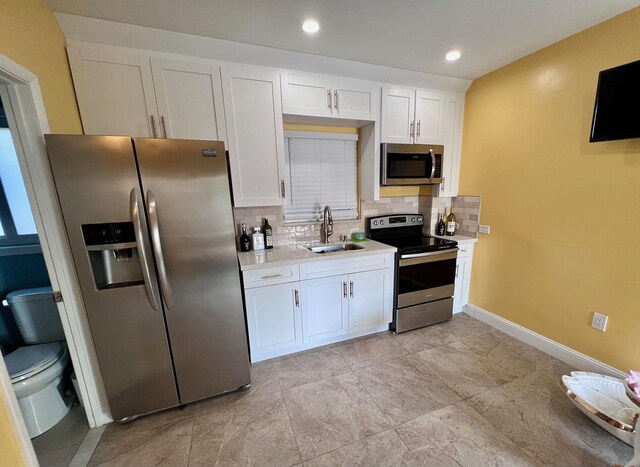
(335, 221)
(14, 250)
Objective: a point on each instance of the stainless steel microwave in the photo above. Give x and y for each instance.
(411, 164)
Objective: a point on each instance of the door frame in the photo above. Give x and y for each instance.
(22, 98)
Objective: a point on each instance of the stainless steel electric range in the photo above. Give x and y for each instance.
(425, 270)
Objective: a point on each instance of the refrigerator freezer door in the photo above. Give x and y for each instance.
(95, 177)
(186, 190)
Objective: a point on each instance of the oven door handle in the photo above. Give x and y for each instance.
(408, 260)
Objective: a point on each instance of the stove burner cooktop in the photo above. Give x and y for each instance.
(405, 233)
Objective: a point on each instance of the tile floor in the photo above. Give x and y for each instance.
(56, 447)
(457, 393)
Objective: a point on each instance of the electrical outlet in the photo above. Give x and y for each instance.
(485, 229)
(599, 322)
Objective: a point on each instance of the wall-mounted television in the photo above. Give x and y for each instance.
(616, 114)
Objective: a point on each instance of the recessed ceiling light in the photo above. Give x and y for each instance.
(310, 26)
(452, 56)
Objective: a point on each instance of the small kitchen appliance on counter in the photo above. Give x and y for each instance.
(425, 270)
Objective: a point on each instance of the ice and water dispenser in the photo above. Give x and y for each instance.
(113, 253)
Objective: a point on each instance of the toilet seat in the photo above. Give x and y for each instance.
(28, 361)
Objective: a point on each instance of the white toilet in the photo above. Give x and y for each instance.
(37, 369)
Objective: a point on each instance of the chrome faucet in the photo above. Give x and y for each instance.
(327, 225)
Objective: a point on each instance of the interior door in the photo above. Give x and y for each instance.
(189, 96)
(94, 177)
(188, 202)
(115, 92)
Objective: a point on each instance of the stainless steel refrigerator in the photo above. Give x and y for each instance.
(151, 231)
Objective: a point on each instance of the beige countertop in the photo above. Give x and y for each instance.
(458, 238)
(283, 255)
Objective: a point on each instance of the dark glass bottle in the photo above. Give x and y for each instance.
(268, 234)
(245, 241)
(441, 228)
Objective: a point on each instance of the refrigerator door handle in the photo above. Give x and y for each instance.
(152, 211)
(134, 205)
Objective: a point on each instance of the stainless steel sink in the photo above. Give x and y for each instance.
(334, 247)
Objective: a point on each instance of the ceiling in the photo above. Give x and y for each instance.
(406, 34)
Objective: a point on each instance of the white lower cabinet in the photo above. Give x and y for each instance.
(332, 301)
(367, 308)
(325, 308)
(273, 318)
(463, 276)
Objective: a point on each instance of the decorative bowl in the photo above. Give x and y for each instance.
(604, 400)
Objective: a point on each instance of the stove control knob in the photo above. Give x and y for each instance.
(419, 219)
(413, 219)
(375, 222)
(381, 222)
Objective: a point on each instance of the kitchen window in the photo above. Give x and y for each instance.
(322, 170)
(17, 226)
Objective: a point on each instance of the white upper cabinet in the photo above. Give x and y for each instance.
(452, 136)
(323, 96)
(115, 92)
(189, 97)
(412, 116)
(137, 95)
(253, 111)
(429, 118)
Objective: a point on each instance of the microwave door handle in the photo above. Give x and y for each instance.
(433, 164)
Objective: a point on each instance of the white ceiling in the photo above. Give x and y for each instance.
(406, 34)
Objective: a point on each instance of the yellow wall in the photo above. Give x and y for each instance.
(31, 37)
(10, 454)
(564, 213)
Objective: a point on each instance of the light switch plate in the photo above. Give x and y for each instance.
(485, 229)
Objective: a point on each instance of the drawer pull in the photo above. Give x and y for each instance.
(272, 276)
(297, 298)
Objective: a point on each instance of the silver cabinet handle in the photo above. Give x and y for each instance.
(329, 98)
(164, 128)
(134, 205)
(418, 128)
(351, 288)
(433, 164)
(335, 99)
(272, 276)
(411, 129)
(152, 212)
(442, 184)
(344, 289)
(153, 126)
(282, 189)
(457, 270)
(297, 298)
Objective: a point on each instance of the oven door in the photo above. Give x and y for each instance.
(411, 164)
(425, 277)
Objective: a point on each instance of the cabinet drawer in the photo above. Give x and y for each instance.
(465, 250)
(270, 276)
(334, 267)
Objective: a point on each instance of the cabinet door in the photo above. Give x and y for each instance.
(115, 92)
(429, 117)
(306, 95)
(253, 112)
(353, 99)
(452, 138)
(398, 112)
(368, 306)
(324, 308)
(189, 96)
(273, 319)
(461, 293)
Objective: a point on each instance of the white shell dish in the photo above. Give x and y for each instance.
(604, 400)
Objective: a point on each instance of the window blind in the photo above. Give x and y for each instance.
(322, 171)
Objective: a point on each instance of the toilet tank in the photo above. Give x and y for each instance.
(36, 315)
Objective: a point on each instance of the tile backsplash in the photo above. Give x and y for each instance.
(466, 208)
(298, 234)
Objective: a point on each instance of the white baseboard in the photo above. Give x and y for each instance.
(566, 354)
